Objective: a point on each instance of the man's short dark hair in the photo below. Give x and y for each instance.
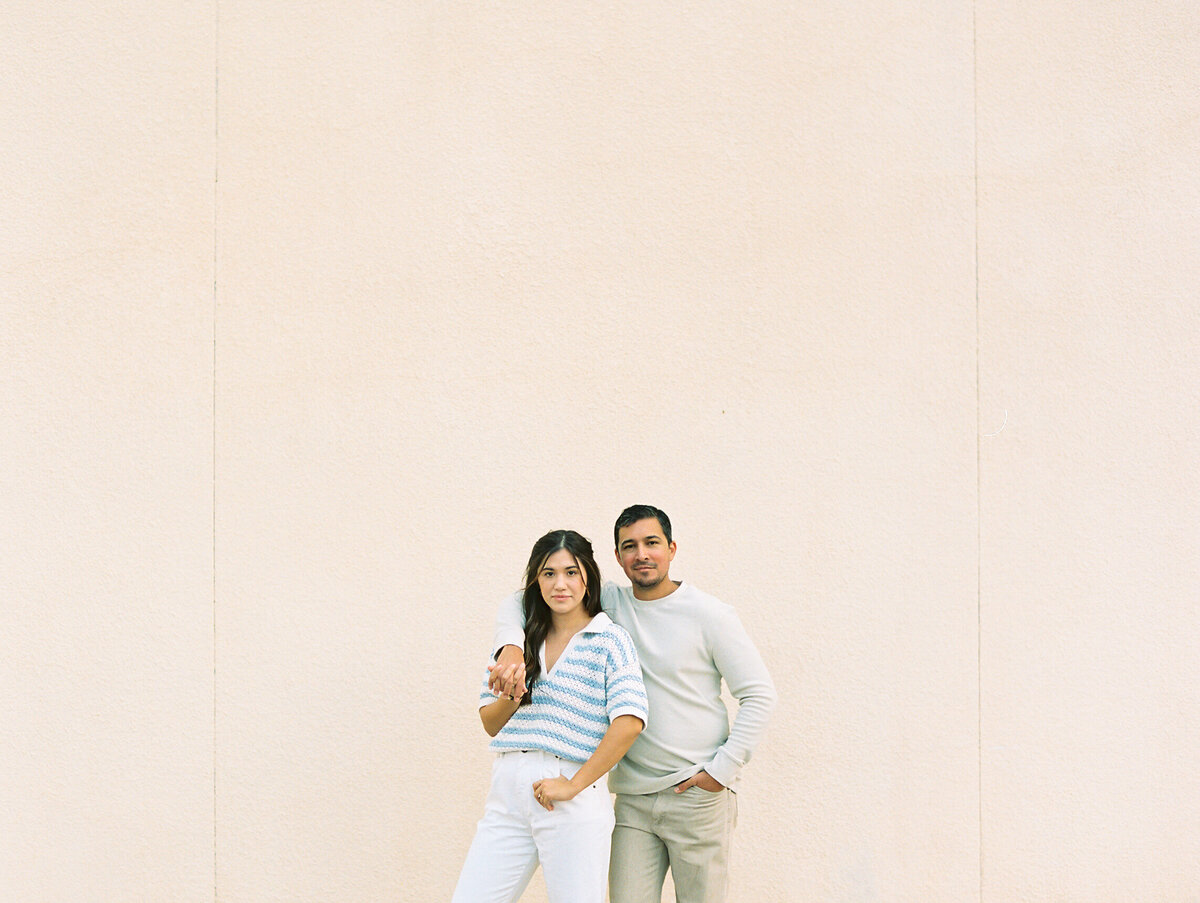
(635, 513)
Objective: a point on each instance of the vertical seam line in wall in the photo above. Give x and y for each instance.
(978, 453)
(216, 217)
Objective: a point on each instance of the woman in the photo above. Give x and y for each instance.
(585, 706)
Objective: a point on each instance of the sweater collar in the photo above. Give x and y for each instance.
(598, 624)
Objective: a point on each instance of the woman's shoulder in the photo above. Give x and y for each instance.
(615, 631)
(615, 637)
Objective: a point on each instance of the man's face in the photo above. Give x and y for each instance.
(645, 556)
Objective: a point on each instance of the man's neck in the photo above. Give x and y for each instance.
(659, 591)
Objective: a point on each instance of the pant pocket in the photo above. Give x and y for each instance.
(700, 798)
(569, 771)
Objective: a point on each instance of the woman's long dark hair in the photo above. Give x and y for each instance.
(537, 613)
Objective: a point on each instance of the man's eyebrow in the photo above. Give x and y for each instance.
(644, 538)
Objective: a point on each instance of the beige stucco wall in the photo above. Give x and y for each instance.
(316, 315)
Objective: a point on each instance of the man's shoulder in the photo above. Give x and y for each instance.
(613, 595)
(614, 589)
(700, 600)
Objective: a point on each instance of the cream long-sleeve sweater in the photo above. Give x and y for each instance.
(687, 642)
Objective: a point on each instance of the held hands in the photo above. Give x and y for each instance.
(510, 682)
(507, 676)
(703, 780)
(547, 790)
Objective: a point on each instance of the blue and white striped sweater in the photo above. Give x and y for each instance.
(597, 678)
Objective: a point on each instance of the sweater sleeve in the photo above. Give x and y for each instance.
(486, 696)
(624, 691)
(746, 676)
(510, 624)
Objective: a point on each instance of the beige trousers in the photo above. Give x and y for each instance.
(688, 832)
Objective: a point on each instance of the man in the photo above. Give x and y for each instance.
(675, 803)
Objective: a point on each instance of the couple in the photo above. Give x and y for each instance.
(566, 700)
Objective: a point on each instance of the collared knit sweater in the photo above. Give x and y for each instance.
(595, 680)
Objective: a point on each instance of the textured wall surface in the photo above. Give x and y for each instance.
(1090, 331)
(106, 465)
(314, 316)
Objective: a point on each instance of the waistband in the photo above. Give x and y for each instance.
(540, 753)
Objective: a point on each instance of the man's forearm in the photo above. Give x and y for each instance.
(747, 729)
(746, 676)
(510, 623)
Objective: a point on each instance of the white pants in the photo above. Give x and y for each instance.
(515, 833)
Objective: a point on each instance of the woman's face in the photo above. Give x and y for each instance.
(562, 582)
